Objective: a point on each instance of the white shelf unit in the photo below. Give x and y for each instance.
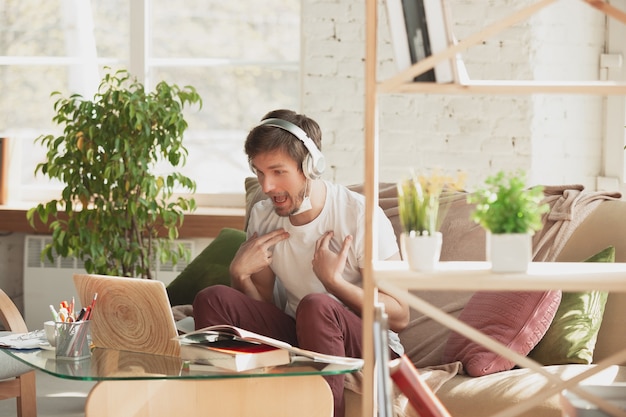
(395, 278)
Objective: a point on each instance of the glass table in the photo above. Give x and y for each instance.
(115, 365)
(155, 385)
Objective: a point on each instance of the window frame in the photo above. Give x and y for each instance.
(139, 64)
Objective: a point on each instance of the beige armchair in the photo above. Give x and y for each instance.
(16, 379)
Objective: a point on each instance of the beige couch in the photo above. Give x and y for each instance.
(593, 222)
(579, 225)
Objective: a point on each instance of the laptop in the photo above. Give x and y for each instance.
(130, 314)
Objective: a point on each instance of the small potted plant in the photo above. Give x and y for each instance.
(421, 211)
(511, 213)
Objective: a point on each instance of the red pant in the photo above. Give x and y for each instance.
(322, 325)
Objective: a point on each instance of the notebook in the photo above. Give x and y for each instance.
(130, 314)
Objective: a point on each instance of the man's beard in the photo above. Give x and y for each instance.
(305, 203)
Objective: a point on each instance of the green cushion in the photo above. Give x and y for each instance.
(571, 338)
(210, 267)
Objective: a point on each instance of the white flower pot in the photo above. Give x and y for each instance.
(509, 252)
(421, 252)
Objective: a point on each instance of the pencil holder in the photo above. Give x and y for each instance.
(72, 340)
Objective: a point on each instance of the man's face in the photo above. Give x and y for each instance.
(281, 180)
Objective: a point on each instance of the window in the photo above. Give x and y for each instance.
(243, 60)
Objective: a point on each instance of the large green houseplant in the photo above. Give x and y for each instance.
(511, 212)
(115, 213)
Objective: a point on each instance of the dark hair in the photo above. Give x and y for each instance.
(264, 138)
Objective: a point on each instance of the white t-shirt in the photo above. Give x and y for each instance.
(344, 214)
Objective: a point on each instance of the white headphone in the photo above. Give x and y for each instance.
(314, 163)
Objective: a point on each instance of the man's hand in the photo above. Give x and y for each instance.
(328, 265)
(250, 272)
(255, 254)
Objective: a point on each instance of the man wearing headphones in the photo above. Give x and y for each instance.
(307, 237)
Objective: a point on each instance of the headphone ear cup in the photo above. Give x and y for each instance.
(316, 165)
(308, 168)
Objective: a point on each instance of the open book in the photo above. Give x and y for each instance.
(234, 354)
(225, 332)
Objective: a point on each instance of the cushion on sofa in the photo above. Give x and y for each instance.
(254, 194)
(572, 335)
(424, 339)
(517, 319)
(210, 267)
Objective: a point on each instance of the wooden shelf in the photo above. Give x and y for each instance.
(474, 276)
(492, 87)
(396, 278)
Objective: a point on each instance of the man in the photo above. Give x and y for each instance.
(309, 236)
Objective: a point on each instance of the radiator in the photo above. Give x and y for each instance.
(48, 282)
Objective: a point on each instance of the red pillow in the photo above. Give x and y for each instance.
(517, 319)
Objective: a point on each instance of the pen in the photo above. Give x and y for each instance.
(82, 313)
(91, 306)
(63, 314)
(55, 316)
(93, 302)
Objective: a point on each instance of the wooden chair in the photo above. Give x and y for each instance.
(21, 381)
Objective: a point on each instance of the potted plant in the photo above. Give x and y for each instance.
(422, 209)
(114, 210)
(511, 213)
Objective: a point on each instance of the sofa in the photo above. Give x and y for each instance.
(581, 226)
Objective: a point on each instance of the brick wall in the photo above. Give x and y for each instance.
(556, 139)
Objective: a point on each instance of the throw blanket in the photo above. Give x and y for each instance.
(569, 207)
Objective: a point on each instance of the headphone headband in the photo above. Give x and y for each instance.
(314, 164)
